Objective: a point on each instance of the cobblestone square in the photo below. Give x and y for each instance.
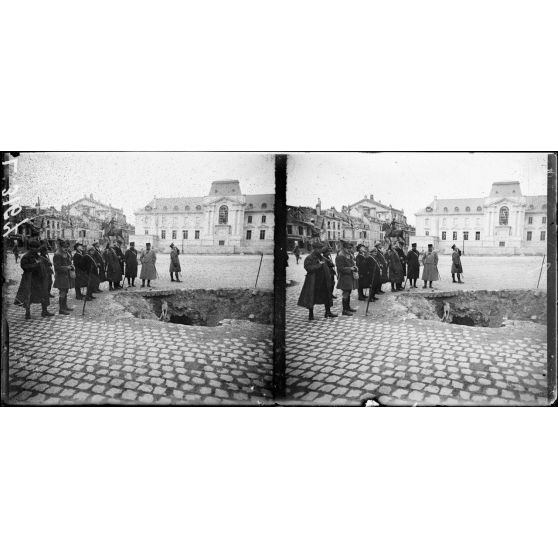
(393, 357)
(109, 357)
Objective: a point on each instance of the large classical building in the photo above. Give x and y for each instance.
(224, 221)
(505, 222)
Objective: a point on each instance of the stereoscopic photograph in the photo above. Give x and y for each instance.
(137, 278)
(420, 279)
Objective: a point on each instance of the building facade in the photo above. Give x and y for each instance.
(505, 222)
(225, 221)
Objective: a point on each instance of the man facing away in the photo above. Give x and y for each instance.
(456, 267)
(148, 260)
(413, 265)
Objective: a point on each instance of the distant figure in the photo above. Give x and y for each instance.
(456, 267)
(16, 252)
(174, 263)
(131, 263)
(296, 252)
(148, 260)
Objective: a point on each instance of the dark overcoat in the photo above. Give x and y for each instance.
(120, 254)
(102, 265)
(345, 263)
(376, 278)
(91, 267)
(456, 266)
(402, 258)
(33, 287)
(174, 261)
(62, 264)
(413, 264)
(395, 269)
(331, 267)
(365, 267)
(81, 270)
(114, 271)
(317, 283)
(381, 259)
(131, 262)
(48, 263)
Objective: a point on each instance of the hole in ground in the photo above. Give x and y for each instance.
(203, 307)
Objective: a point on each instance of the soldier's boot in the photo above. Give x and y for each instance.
(310, 314)
(61, 309)
(172, 277)
(349, 306)
(453, 277)
(28, 313)
(459, 278)
(329, 313)
(45, 313)
(346, 311)
(79, 296)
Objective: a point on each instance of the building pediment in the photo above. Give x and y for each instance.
(505, 200)
(233, 200)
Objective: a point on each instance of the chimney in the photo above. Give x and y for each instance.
(435, 203)
(319, 207)
(372, 197)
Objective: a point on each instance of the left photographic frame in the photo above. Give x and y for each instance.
(138, 278)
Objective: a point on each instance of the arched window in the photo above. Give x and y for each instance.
(165, 208)
(479, 208)
(467, 209)
(504, 214)
(264, 205)
(198, 207)
(176, 207)
(250, 205)
(223, 215)
(445, 209)
(456, 209)
(187, 208)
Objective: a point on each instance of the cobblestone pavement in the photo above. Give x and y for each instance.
(109, 357)
(397, 359)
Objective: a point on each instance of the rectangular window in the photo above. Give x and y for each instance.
(544, 220)
(443, 235)
(300, 231)
(262, 235)
(465, 235)
(477, 235)
(184, 235)
(543, 235)
(248, 235)
(329, 234)
(249, 218)
(221, 243)
(530, 220)
(263, 218)
(427, 233)
(197, 235)
(502, 244)
(289, 229)
(529, 235)
(174, 235)
(163, 234)
(454, 235)
(146, 231)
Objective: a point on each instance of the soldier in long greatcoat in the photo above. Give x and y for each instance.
(98, 256)
(413, 265)
(43, 253)
(114, 271)
(131, 263)
(430, 270)
(326, 253)
(364, 264)
(347, 273)
(148, 260)
(456, 267)
(174, 263)
(91, 267)
(317, 283)
(381, 259)
(117, 247)
(376, 280)
(395, 270)
(33, 287)
(63, 280)
(81, 272)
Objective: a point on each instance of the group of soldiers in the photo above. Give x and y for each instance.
(87, 268)
(368, 269)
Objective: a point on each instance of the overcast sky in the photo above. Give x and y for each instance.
(130, 180)
(408, 181)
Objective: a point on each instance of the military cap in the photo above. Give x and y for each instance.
(414, 244)
(77, 244)
(317, 244)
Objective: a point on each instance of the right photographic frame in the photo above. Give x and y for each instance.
(421, 279)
